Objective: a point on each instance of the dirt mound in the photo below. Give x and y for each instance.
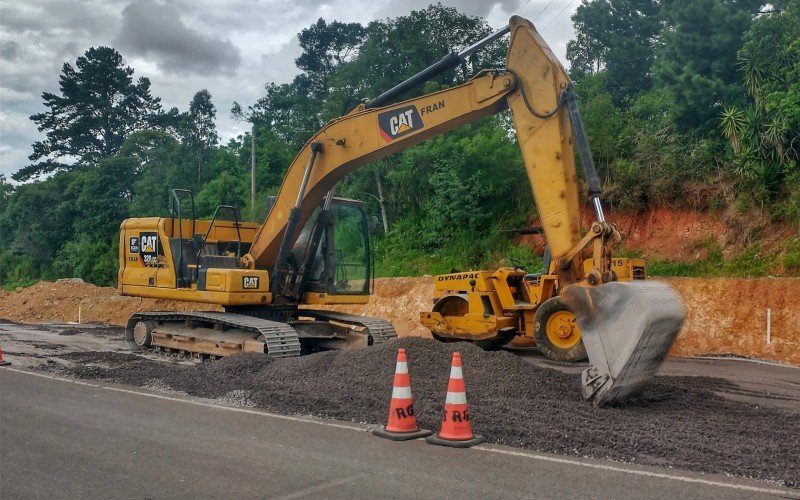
(724, 315)
(65, 300)
(679, 422)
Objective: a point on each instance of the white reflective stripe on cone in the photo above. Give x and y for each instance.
(402, 367)
(455, 372)
(456, 398)
(401, 393)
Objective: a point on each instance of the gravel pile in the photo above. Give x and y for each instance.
(678, 422)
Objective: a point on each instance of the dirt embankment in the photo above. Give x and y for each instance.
(724, 315)
(683, 235)
(729, 316)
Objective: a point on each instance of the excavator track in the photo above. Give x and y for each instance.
(379, 329)
(281, 340)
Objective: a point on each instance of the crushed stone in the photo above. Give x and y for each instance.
(678, 422)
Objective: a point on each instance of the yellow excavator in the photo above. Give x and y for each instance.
(313, 248)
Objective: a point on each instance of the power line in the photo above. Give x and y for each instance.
(523, 6)
(544, 9)
(557, 15)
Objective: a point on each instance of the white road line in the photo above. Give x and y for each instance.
(484, 448)
(308, 420)
(745, 360)
(685, 479)
(319, 488)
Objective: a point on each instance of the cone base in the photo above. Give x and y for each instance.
(467, 443)
(401, 436)
(5, 363)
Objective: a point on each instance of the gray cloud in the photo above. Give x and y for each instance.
(480, 8)
(187, 45)
(156, 30)
(9, 50)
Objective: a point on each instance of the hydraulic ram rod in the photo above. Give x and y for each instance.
(449, 61)
(294, 218)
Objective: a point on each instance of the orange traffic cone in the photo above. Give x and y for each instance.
(456, 429)
(402, 423)
(2, 361)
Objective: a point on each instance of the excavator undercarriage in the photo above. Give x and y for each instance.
(291, 333)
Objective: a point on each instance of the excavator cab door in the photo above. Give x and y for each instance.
(332, 252)
(351, 262)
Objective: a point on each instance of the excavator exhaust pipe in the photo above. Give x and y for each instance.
(627, 329)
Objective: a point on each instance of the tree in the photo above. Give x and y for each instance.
(99, 105)
(201, 132)
(617, 37)
(764, 133)
(587, 53)
(634, 33)
(6, 190)
(325, 47)
(697, 65)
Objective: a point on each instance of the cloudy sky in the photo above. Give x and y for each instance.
(230, 47)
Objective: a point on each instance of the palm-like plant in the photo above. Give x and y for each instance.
(732, 122)
(774, 135)
(753, 77)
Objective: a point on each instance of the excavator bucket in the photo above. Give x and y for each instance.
(627, 329)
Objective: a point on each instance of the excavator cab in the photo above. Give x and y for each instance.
(332, 252)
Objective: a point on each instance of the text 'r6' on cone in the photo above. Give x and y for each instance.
(456, 428)
(402, 424)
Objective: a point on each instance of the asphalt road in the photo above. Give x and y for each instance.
(64, 438)
(756, 382)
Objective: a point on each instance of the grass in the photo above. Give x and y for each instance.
(751, 263)
(24, 282)
(392, 259)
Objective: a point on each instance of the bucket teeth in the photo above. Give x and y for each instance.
(627, 329)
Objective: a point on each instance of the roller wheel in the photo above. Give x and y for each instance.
(495, 343)
(458, 305)
(143, 333)
(556, 332)
(445, 340)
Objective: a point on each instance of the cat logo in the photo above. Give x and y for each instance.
(149, 243)
(399, 122)
(250, 282)
(148, 248)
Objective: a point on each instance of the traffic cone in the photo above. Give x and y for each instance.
(402, 424)
(3, 362)
(456, 428)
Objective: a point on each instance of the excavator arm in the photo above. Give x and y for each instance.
(534, 86)
(364, 136)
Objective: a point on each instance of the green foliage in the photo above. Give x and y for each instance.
(697, 60)
(91, 259)
(225, 189)
(764, 133)
(751, 263)
(619, 37)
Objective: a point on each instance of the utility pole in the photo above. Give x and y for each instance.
(381, 202)
(253, 168)
(239, 114)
